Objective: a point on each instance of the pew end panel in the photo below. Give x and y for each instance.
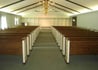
(13, 46)
(78, 46)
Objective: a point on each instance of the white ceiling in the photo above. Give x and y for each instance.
(35, 8)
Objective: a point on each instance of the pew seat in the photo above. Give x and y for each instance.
(17, 41)
(76, 41)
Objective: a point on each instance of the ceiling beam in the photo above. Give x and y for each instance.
(11, 4)
(26, 6)
(29, 8)
(61, 9)
(64, 6)
(79, 4)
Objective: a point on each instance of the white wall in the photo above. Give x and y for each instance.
(47, 21)
(88, 20)
(0, 21)
(10, 19)
(50, 19)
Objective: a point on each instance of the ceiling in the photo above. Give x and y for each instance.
(34, 8)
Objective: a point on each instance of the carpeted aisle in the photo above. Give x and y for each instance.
(47, 56)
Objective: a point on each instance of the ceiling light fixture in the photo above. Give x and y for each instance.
(45, 4)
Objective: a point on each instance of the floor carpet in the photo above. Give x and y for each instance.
(47, 56)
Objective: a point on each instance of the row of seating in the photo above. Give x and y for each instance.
(18, 41)
(75, 41)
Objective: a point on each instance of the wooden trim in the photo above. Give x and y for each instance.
(64, 6)
(79, 4)
(12, 4)
(29, 8)
(25, 6)
(61, 9)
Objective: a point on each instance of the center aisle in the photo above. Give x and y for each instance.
(45, 54)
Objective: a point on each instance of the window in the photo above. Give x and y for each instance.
(3, 22)
(16, 21)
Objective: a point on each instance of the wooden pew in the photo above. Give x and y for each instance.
(78, 41)
(83, 45)
(15, 41)
(13, 46)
